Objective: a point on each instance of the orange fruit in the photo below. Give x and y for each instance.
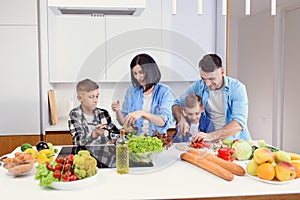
(265, 171)
(297, 167)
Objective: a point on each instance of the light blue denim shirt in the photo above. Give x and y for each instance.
(162, 101)
(235, 103)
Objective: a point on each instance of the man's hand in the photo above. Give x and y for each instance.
(182, 127)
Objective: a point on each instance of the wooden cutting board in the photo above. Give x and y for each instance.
(52, 107)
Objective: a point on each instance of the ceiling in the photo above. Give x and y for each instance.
(237, 7)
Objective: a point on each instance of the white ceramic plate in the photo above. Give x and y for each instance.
(74, 185)
(275, 182)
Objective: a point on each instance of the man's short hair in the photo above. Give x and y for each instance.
(210, 62)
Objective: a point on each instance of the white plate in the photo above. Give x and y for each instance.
(74, 185)
(275, 182)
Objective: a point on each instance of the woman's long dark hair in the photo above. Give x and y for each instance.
(150, 70)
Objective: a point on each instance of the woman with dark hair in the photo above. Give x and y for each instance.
(147, 103)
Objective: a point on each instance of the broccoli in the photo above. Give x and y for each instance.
(85, 164)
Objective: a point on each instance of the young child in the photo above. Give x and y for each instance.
(193, 110)
(89, 124)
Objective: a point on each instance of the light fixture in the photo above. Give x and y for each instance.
(247, 7)
(224, 7)
(200, 8)
(173, 7)
(273, 7)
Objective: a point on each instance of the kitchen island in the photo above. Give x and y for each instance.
(170, 178)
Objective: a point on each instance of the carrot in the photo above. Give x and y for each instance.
(230, 166)
(207, 165)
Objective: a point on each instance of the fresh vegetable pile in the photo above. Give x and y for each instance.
(143, 144)
(143, 149)
(69, 168)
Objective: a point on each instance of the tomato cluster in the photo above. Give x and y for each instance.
(62, 169)
(200, 144)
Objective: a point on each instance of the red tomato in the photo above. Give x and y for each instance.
(60, 159)
(58, 166)
(73, 177)
(57, 174)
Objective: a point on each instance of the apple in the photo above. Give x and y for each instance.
(251, 167)
(285, 171)
(262, 155)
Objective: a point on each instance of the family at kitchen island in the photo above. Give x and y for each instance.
(212, 108)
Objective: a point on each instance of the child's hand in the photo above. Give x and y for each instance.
(115, 106)
(99, 129)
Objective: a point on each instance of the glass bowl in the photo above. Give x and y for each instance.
(147, 157)
(17, 166)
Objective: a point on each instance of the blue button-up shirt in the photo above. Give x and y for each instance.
(235, 102)
(162, 101)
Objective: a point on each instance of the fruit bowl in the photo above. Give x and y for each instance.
(147, 157)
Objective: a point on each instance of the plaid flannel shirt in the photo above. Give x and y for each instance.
(78, 126)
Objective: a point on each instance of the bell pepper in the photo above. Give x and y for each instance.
(45, 155)
(32, 152)
(226, 153)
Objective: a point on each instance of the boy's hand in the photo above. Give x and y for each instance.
(99, 129)
(115, 106)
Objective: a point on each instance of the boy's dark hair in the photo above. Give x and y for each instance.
(192, 100)
(86, 85)
(150, 70)
(210, 62)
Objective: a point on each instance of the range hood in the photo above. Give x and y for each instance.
(97, 7)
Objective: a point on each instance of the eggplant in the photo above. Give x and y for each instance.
(41, 145)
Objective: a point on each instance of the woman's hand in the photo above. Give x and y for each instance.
(132, 117)
(115, 106)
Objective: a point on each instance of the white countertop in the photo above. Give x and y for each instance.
(177, 179)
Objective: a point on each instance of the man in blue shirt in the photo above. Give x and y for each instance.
(224, 98)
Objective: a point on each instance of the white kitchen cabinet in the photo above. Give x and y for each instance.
(128, 36)
(77, 48)
(186, 37)
(101, 48)
(19, 103)
(18, 12)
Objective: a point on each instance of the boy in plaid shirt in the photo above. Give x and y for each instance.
(89, 124)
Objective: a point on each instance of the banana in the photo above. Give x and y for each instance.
(294, 156)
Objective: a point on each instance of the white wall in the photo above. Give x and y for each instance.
(257, 48)
(255, 69)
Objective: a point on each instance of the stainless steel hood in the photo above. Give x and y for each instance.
(97, 7)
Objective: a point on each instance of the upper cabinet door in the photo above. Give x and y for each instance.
(76, 48)
(186, 37)
(18, 12)
(128, 36)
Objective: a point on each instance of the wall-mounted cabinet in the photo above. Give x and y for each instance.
(128, 36)
(101, 48)
(76, 48)
(19, 80)
(18, 12)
